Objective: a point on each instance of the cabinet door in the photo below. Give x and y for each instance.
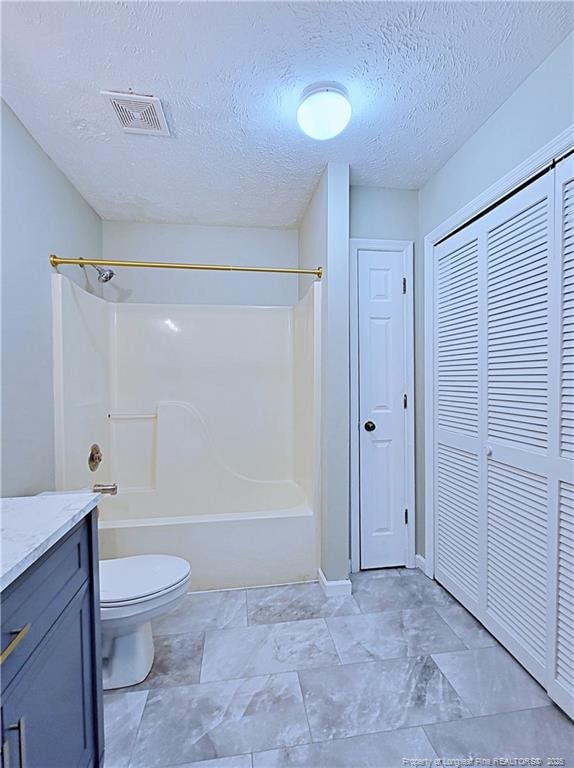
(48, 709)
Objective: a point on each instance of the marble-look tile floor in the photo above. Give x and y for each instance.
(283, 677)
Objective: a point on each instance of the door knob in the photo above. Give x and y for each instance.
(370, 426)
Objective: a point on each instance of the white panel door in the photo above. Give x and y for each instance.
(382, 422)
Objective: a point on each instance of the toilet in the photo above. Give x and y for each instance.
(133, 591)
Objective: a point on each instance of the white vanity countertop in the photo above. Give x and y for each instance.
(32, 524)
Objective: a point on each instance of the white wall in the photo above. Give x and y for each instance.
(42, 213)
(335, 406)
(384, 214)
(540, 109)
(205, 245)
(313, 235)
(324, 240)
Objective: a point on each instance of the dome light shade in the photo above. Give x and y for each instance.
(324, 111)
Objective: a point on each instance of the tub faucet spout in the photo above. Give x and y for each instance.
(112, 488)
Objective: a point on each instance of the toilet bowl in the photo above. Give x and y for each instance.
(133, 591)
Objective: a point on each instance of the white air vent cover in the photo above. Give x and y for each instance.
(138, 114)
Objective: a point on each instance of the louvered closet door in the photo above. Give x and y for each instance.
(458, 438)
(504, 425)
(561, 657)
(520, 419)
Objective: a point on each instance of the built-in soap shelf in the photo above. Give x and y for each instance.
(119, 415)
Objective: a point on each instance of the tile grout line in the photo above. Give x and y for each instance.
(431, 742)
(304, 710)
(202, 656)
(137, 733)
(333, 641)
(247, 622)
(250, 587)
(453, 630)
(462, 640)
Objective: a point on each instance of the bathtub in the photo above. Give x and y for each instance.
(225, 549)
(235, 530)
(208, 420)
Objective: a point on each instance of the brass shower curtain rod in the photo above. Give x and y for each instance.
(55, 261)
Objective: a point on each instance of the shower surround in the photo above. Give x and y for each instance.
(208, 419)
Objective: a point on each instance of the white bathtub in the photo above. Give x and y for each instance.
(207, 418)
(225, 550)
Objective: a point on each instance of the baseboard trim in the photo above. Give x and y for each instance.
(341, 588)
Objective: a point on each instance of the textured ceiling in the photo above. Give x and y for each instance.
(422, 78)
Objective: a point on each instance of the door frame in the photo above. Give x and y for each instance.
(504, 186)
(404, 249)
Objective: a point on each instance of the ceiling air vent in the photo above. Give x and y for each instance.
(138, 114)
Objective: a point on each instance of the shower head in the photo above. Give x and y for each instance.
(104, 275)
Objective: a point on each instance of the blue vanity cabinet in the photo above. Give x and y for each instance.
(51, 695)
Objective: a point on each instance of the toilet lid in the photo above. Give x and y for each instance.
(132, 578)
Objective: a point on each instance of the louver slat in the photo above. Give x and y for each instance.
(567, 326)
(517, 554)
(457, 340)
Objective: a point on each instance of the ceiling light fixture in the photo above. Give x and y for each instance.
(324, 111)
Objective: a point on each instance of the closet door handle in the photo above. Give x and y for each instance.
(488, 451)
(370, 426)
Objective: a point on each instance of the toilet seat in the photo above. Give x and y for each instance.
(108, 604)
(129, 581)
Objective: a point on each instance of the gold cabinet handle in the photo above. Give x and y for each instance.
(20, 727)
(20, 634)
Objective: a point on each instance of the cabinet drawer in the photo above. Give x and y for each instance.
(39, 596)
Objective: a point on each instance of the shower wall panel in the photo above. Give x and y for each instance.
(231, 365)
(81, 325)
